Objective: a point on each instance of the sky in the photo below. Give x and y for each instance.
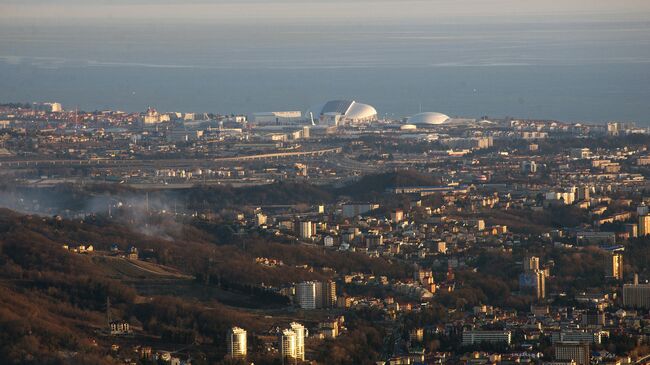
(65, 11)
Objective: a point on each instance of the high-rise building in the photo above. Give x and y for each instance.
(288, 349)
(636, 295)
(306, 230)
(306, 294)
(614, 265)
(533, 282)
(540, 287)
(570, 350)
(300, 332)
(237, 342)
(531, 263)
(644, 225)
(533, 279)
(328, 294)
(316, 294)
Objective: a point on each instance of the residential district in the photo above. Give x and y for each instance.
(334, 235)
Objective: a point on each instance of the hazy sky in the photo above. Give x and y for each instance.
(63, 11)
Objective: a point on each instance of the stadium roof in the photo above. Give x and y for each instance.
(428, 118)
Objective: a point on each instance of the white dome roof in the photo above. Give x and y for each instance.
(359, 111)
(428, 118)
(350, 110)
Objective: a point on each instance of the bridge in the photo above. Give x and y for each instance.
(99, 162)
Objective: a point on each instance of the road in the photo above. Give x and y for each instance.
(645, 360)
(164, 162)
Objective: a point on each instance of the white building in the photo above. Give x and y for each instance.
(237, 342)
(347, 112)
(476, 337)
(300, 332)
(275, 118)
(428, 119)
(47, 107)
(288, 348)
(581, 336)
(355, 209)
(567, 197)
(153, 117)
(531, 263)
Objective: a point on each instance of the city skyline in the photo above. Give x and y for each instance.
(360, 182)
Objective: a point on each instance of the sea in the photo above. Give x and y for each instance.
(590, 71)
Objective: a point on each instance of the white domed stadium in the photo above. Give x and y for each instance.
(408, 127)
(345, 112)
(428, 118)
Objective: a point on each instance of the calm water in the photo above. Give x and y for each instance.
(588, 71)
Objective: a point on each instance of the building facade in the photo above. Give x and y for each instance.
(306, 295)
(644, 225)
(636, 295)
(316, 294)
(476, 337)
(237, 343)
(614, 265)
(306, 230)
(576, 351)
(288, 350)
(300, 332)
